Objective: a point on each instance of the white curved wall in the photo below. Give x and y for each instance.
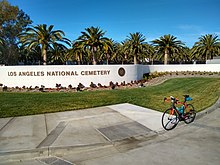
(65, 75)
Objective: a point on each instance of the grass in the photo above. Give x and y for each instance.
(204, 91)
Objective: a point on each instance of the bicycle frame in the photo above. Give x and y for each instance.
(173, 108)
(184, 104)
(175, 101)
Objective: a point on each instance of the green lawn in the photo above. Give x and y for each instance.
(204, 91)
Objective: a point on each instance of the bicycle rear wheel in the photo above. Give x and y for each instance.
(190, 114)
(170, 119)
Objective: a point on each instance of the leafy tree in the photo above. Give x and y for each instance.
(44, 37)
(12, 22)
(207, 47)
(7, 13)
(1, 51)
(93, 39)
(168, 45)
(136, 45)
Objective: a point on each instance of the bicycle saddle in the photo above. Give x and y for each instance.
(185, 96)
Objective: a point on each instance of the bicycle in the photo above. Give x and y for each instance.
(172, 116)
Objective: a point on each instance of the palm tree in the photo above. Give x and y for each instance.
(76, 52)
(151, 54)
(44, 37)
(30, 57)
(167, 45)
(136, 45)
(57, 54)
(108, 50)
(207, 47)
(185, 56)
(93, 39)
(118, 55)
(124, 50)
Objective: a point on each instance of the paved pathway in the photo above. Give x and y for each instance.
(117, 134)
(56, 133)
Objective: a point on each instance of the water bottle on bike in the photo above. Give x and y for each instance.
(181, 110)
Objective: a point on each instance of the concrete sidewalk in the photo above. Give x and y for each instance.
(58, 133)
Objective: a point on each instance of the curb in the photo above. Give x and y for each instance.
(23, 154)
(48, 151)
(209, 109)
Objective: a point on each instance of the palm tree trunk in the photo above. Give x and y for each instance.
(125, 59)
(78, 60)
(107, 58)
(135, 59)
(93, 56)
(166, 57)
(93, 60)
(44, 54)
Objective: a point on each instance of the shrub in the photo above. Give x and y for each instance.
(92, 85)
(58, 85)
(100, 85)
(81, 85)
(5, 88)
(41, 89)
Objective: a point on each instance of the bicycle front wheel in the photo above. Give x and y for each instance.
(190, 114)
(170, 119)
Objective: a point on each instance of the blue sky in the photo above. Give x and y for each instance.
(185, 19)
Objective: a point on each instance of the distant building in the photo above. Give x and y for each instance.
(215, 60)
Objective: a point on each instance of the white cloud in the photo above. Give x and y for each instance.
(188, 27)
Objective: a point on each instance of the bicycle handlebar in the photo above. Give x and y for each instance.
(174, 100)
